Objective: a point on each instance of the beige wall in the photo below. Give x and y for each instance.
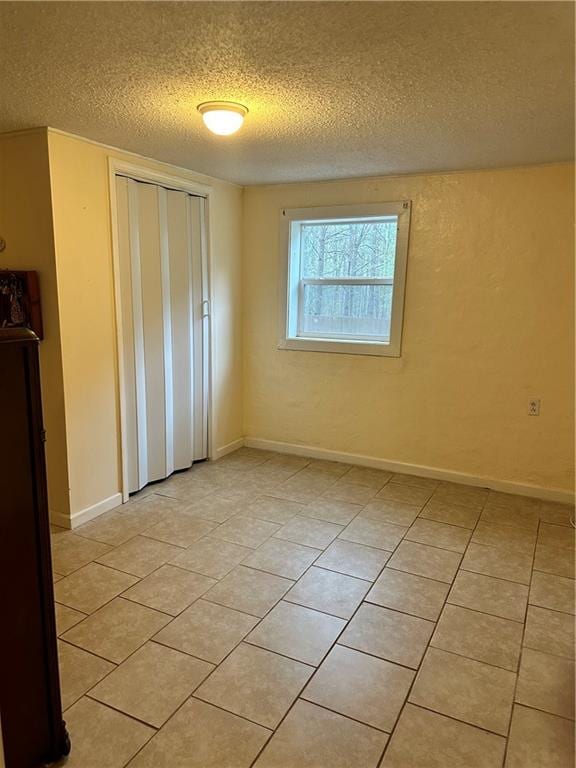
(82, 226)
(26, 225)
(488, 325)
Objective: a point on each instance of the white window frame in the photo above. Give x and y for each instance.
(292, 285)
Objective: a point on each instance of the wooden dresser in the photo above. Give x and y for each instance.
(30, 708)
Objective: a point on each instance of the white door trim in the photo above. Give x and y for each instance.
(118, 167)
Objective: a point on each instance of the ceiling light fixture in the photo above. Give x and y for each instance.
(222, 117)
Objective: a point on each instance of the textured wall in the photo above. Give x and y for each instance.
(26, 225)
(488, 325)
(80, 198)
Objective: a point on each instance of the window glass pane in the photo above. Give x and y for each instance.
(348, 249)
(354, 310)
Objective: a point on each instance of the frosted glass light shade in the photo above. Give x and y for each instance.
(222, 117)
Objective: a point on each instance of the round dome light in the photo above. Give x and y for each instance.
(222, 117)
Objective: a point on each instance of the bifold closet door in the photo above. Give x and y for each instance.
(160, 238)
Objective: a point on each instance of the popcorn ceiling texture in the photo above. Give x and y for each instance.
(334, 89)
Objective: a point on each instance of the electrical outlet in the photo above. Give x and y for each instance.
(534, 407)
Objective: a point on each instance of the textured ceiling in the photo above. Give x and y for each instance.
(335, 89)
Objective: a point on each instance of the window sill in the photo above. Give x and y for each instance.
(378, 349)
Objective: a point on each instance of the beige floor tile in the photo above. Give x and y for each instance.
(246, 457)
(479, 636)
(555, 592)
(79, 672)
(295, 493)
(246, 531)
(424, 739)
(120, 525)
(57, 528)
(353, 559)
(66, 617)
(157, 502)
(554, 536)
(466, 690)
(202, 736)
(558, 514)
(91, 587)
(416, 480)
(549, 631)
(138, 497)
(463, 495)
(388, 511)
(388, 634)
(152, 683)
(329, 592)
(255, 684)
(372, 478)
(422, 560)
(169, 589)
(510, 501)
(298, 632)
(506, 537)
(316, 478)
(373, 533)
(452, 537)
(407, 494)
(409, 593)
(248, 590)
(180, 530)
(56, 577)
(486, 594)
(539, 740)
(305, 486)
(215, 508)
(453, 514)
(313, 737)
(286, 461)
(526, 519)
(192, 492)
(207, 630)
(117, 630)
(282, 558)
(269, 473)
(493, 561)
(211, 557)
(186, 486)
(332, 511)
(350, 492)
(546, 682)
(140, 556)
(102, 737)
(310, 532)
(273, 510)
(70, 552)
(359, 686)
(335, 468)
(556, 560)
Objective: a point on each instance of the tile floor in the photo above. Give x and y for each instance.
(279, 612)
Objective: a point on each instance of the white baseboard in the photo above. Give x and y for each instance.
(229, 448)
(505, 486)
(87, 514)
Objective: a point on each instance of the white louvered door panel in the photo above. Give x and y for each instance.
(160, 239)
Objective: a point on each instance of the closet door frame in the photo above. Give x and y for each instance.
(118, 167)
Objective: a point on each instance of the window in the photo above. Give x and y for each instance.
(343, 282)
